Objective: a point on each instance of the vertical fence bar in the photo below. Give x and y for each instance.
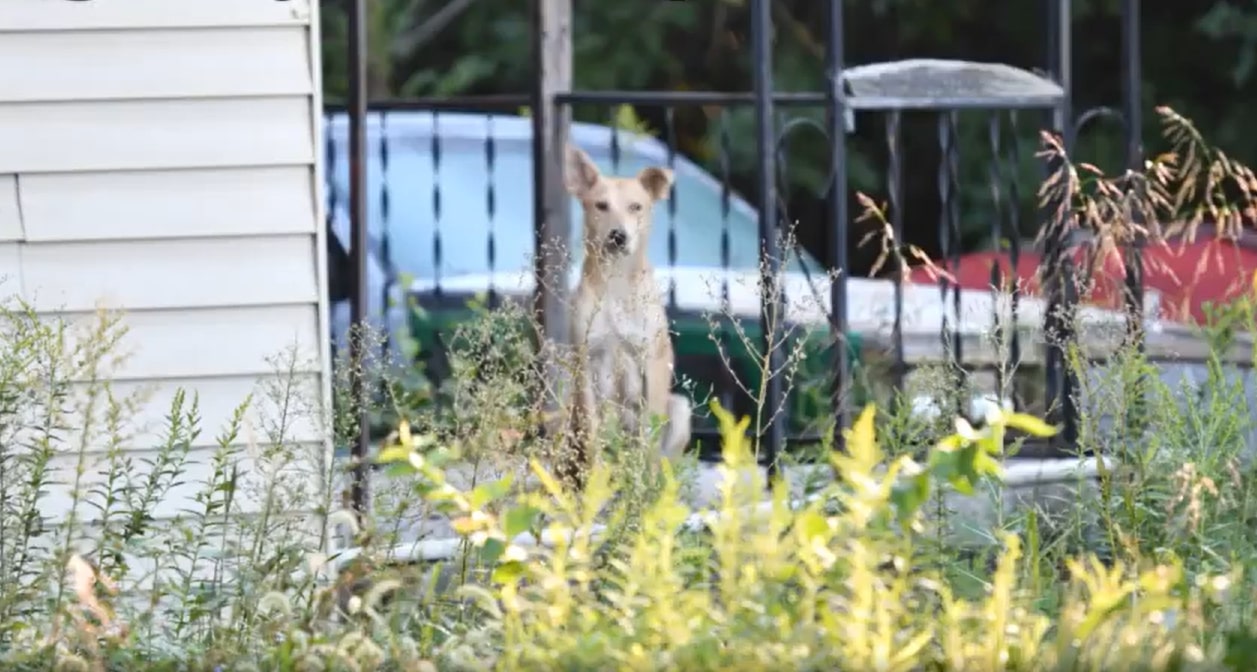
(1132, 111)
(436, 204)
(329, 157)
(1060, 64)
(359, 301)
(491, 209)
(996, 177)
(1069, 413)
(329, 168)
(953, 216)
(782, 163)
(615, 140)
(670, 122)
(1132, 84)
(385, 227)
(771, 310)
(1057, 258)
(1058, 267)
(949, 232)
(838, 213)
(945, 243)
(726, 247)
(1013, 161)
(894, 179)
(784, 226)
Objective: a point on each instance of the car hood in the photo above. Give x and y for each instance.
(870, 301)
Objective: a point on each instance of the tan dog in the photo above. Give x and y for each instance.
(619, 325)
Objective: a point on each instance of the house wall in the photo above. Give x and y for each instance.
(161, 157)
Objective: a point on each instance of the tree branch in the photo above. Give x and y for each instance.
(411, 42)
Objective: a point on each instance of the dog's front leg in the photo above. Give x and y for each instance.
(631, 394)
(584, 424)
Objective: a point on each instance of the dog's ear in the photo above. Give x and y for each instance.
(657, 181)
(579, 172)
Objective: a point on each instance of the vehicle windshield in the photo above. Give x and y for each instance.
(464, 217)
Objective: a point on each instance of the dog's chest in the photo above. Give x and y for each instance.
(625, 321)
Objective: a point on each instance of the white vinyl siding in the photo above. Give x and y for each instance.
(155, 134)
(59, 15)
(171, 344)
(234, 201)
(10, 269)
(193, 273)
(81, 66)
(161, 159)
(196, 473)
(10, 211)
(218, 398)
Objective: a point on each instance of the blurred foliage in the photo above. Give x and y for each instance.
(1198, 58)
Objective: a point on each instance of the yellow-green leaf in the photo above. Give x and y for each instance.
(394, 454)
(812, 525)
(492, 550)
(1029, 424)
(909, 494)
(862, 442)
(952, 443)
(735, 447)
(508, 572)
(519, 520)
(489, 492)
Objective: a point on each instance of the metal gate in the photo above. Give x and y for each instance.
(1008, 97)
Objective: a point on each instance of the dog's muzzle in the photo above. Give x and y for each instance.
(617, 241)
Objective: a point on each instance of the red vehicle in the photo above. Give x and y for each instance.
(1186, 273)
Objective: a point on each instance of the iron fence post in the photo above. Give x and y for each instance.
(1058, 320)
(772, 310)
(1132, 100)
(836, 102)
(894, 180)
(359, 301)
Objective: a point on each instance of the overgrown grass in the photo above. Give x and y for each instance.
(186, 547)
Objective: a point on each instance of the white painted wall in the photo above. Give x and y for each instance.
(162, 157)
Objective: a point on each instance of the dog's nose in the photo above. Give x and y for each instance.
(617, 238)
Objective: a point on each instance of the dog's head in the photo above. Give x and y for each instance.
(618, 210)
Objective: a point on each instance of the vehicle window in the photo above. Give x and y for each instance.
(465, 224)
(464, 221)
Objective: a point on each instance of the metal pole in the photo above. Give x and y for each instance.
(1057, 323)
(838, 214)
(1063, 68)
(1065, 62)
(1132, 88)
(358, 303)
(1132, 111)
(1132, 84)
(772, 312)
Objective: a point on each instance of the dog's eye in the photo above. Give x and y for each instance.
(601, 205)
(635, 207)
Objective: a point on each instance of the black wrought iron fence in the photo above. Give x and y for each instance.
(451, 198)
